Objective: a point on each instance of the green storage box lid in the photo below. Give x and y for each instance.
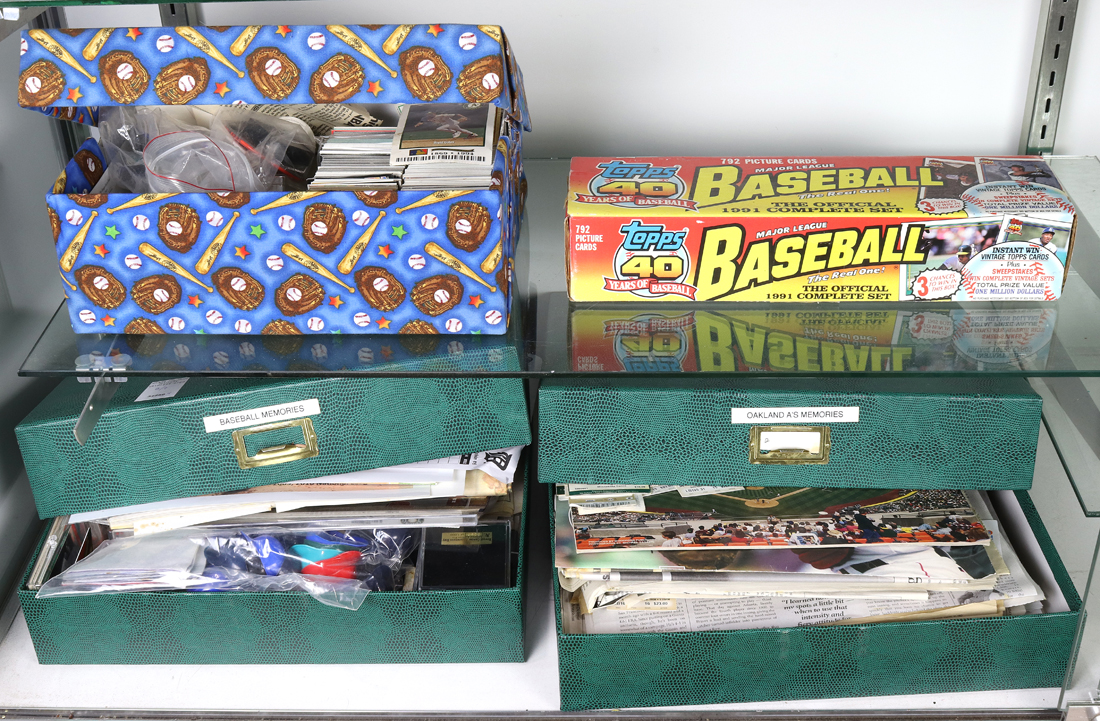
(953, 432)
(143, 451)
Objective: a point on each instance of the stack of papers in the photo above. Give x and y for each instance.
(667, 558)
(357, 158)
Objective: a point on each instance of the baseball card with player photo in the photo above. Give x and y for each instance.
(1050, 235)
(445, 132)
(957, 177)
(1019, 170)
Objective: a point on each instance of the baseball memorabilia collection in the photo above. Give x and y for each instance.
(825, 229)
(435, 259)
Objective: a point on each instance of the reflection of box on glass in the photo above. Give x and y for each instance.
(616, 338)
(377, 261)
(816, 229)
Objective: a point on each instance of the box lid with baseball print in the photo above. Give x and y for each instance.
(263, 64)
(817, 229)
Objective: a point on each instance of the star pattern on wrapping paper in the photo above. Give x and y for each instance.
(194, 300)
(385, 251)
(475, 332)
(476, 301)
(383, 323)
(222, 88)
(108, 320)
(133, 33)
(284, 30)
(387, 352)
(101, 250)
(435, 30)
(200, 331)
(399, 231)
(241, 251)
(256, 231)
(334, 300)
(112, 231)
(374, 86)
(75, 94)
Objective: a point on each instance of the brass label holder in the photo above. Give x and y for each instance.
(789, 445)
(274, 455)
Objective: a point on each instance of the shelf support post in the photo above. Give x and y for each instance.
(1048, 76)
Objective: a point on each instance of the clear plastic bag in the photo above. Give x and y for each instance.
(171, 150)
(336, 567)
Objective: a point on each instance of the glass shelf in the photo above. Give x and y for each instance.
(551, 336)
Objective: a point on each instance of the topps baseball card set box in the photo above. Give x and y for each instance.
(198, 250)
(823, 229)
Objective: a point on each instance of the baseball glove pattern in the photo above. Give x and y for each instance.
(323, 226)
(178, 226)
(143, 326)
(336, 80)
(479, 82)
(182, 81)
(229, 199)
(468, 225)
(156, 293)
(437, 294)
(90, 166)
(377, 198)
(379, 288)
(124, 77)
(299, 294)
(40, 85)
(238, 287)
(425, 73)
(101, 287)
(272, 72)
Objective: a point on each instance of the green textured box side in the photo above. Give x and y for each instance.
(913, 432)
(228, 628)
(158, 450)
(981, 654)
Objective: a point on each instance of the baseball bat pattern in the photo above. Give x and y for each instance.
(68, 260)
(192, 36)
(393, 42)
(436, 197)
(55, 49)
(150, 252)
(348, 263)
(207, 259)
(356, 43)
(493, 258)
(450, 261)
(143, 199)
(91, 50)
(289, 199)
(244, 40)
(67, 281)
(295, 254)
(492, 31)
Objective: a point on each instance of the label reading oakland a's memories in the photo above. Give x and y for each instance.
(824, 414)
(466, 538)
(258, 416)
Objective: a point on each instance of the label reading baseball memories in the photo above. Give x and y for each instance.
(817, 229)
(258, 416)
(824, 414)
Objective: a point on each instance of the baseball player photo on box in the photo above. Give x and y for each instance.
(816, 229)
(200, 211)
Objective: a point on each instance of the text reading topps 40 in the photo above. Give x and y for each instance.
(817, 229)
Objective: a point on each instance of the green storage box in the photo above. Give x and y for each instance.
(155, 450)
(229, 628)
(975, 433)
(671, 669)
